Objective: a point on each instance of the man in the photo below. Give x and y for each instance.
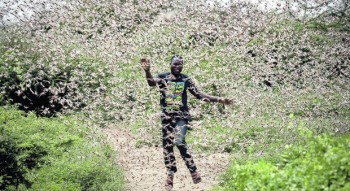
(173, 88)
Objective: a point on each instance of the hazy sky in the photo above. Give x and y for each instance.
(11, 11)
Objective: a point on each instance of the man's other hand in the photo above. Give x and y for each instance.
(225, 101)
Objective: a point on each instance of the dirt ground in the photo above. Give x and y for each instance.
(144, 168)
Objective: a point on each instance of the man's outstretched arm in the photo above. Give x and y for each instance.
(205, 97)
(147, 68)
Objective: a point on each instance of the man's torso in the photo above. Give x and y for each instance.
(173, 93)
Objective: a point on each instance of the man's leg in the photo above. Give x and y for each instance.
(180, 142)
(168, 152)
(180, 135)
(168, 146)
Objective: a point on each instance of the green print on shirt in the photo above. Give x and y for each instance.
(173, 95)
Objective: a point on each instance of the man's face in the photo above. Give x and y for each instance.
(176, 66)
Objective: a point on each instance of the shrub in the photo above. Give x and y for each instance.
(322, 164)
(53, 154)
(38, 83)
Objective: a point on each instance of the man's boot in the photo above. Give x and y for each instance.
(196, 177)
(169, 182)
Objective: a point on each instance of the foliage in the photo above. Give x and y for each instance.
(53, 154)
(225, 46)
(38, 83)
(321, 164)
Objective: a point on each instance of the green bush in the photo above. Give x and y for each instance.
(322, 164)
(53, 154)
(36, 82)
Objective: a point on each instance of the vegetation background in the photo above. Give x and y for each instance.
(73, 68)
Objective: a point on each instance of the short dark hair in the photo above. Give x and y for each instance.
(175, 57)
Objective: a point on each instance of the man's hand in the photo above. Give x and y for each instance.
(145, 64)
(146, 67)
(225, 101)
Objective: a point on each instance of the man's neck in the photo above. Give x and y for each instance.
(175, 75)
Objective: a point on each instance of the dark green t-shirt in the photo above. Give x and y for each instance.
(173, 99)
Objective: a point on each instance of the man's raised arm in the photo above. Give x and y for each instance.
(205, 97)
(147, 68)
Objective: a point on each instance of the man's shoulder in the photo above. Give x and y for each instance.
(163, 75)
(185, 76)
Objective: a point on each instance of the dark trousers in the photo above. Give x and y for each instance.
(173, 134)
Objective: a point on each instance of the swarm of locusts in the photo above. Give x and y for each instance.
(84, 55)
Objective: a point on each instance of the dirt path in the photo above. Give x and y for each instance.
(144, 168)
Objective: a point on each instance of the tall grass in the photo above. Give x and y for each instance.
(54, 154)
